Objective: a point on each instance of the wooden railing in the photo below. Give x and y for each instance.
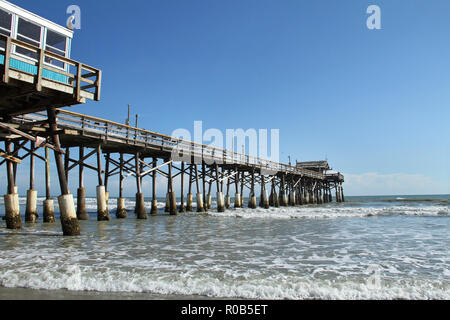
(144, 138)
(84, 81)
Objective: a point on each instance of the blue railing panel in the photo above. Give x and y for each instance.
(31, 69)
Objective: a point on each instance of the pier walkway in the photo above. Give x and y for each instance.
(32, 123)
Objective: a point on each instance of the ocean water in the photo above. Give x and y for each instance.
(366, 248)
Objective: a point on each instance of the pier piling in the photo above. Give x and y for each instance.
(49, 206)
(189, 195)
(154, 210)
(102, 207)
(338, 194)
(31, 213)
(121, 212)
(140, 205)
(227, 196)
(67, 211)
(172, 196)
(204, 200)
(219, 197)
(264, 197)
(209, 197)
(288, 187)
(12, 212)
(81, 191)
(198, 196)
(182, 207)
(237, 195)
(252, 196)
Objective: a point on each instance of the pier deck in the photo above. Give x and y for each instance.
(30, 86)
(83, 130)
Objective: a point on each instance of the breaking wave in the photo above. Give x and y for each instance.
(76, 278)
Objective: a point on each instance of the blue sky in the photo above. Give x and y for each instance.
(374, 102)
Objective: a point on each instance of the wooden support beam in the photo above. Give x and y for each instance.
(170, 181)
(209, 193)
(6, 63)
(31, 152)
(229, 175)
(128, 169)
(81, 167)
(298, 181)
(29, 137)
(196, 179)
(138, 174)
(152, 169)
(81, 160)
(236, 180)
(47, 174)
(179, 168)
(9, 169)
(15, 152)
(269, 179)
(10, 158)
(107, 171)
(77, 90)
(129, 174)
(228, 182)
(221, 181)
(58, 152)
(154, 179)
(99, 165)
(190, 179)
(182, 209)
(99, 85)
(204, 184)
(117, 164)
(14, 163)
(32, 166)
(253, 183)
(66, 163)
(40, 66)
(121, 176)
(141, 177)
(172, 199)
(217, 177)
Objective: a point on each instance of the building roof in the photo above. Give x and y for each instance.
(8, 6)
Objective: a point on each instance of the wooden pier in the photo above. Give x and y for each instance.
(30, 86)
(32, 123)
(123, 151)
(35, 79)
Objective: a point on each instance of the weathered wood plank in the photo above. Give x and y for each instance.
(10, 158)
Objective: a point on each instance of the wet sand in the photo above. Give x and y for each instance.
(32, 294)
